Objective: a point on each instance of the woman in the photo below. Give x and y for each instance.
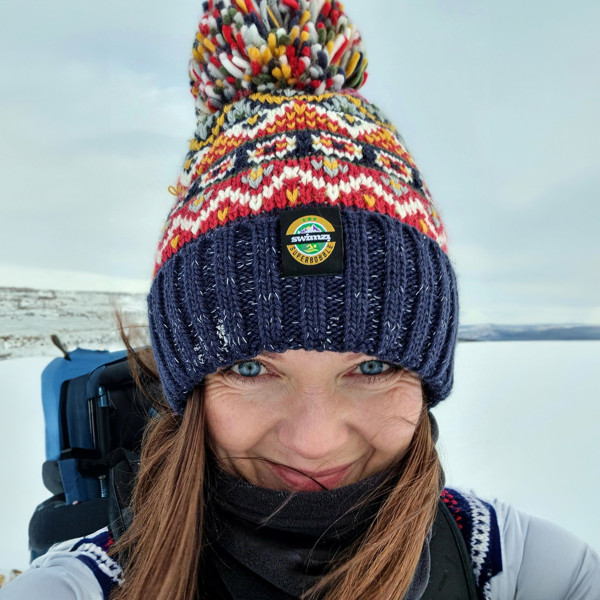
(303, 318)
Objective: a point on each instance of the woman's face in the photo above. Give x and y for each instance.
(315, 419)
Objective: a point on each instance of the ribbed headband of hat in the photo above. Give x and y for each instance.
(301, 219)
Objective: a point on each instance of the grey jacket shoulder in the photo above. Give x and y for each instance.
(58, 574)
(73, 570)
(542, 561)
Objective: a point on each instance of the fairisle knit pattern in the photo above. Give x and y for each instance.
(478, 524)
(93, 552)
(275, 152)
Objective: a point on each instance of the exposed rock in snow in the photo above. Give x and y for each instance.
(29, 317)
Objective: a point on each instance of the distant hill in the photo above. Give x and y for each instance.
(493, 333)
(28, 317)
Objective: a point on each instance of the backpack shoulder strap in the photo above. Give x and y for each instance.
(451, 576)
(122, 476)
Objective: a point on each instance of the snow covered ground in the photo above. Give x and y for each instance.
(22, 450)
(520, 425)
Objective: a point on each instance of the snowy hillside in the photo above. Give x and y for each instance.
(491, 332)
(81, 318)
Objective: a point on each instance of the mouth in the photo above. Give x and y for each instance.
(300, 480)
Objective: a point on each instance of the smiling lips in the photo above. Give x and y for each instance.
(310, 481)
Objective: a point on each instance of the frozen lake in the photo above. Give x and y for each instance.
(521, 425)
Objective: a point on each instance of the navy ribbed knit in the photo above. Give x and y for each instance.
(222, 299)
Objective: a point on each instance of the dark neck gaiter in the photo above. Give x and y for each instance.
(274, 545)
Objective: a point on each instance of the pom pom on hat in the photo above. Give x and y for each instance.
(248, 46)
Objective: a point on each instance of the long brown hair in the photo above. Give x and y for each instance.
(161, 550)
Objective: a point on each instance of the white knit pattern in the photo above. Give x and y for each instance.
(480, 537)
(102, 560)
(407, 204)
(239, 133)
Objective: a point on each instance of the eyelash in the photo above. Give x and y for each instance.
(227, 372)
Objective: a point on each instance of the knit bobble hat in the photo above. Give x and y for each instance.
(300, 219)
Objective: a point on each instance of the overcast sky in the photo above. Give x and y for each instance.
(499, 103)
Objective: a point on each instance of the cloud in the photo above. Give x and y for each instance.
(88, 152)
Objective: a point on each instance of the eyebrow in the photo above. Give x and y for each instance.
(276, 356)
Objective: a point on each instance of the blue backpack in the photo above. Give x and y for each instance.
(95, 416)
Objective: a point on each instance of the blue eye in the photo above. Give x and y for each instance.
(374, 367)
(247, 368)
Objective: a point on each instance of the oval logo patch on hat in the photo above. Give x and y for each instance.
(311, 241)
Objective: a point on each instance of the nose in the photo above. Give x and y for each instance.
(316, 427)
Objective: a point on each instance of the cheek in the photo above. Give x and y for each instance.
(393, 438)
(234, 425)
(389, 421)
